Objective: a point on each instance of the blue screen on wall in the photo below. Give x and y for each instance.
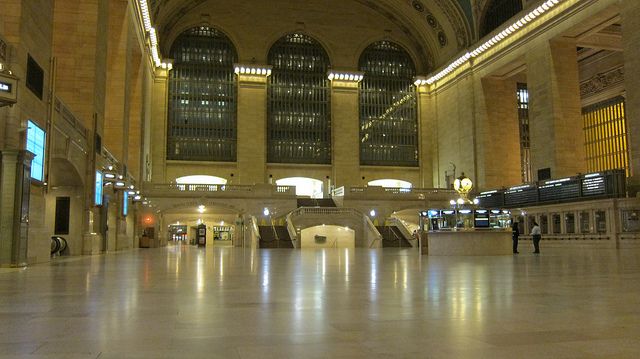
(125, 203)
(36, 138)
(98, 192)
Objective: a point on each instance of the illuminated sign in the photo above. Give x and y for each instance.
(98, 192)
(5, 87)
(36, 139)
(125, 203)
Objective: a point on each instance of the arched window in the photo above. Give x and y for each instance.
(202, 97)
(299, 117)
(388, 116)
(497, 13)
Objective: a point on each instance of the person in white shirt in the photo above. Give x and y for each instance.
(535, 233)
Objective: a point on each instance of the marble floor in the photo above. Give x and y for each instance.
(187, 302)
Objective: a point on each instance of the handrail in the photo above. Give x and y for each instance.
(372, 229)
(402, 226)
(293, 234)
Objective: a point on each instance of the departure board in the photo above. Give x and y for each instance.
(520, 195)
(594, 185)
(491, 199)
(560, 189)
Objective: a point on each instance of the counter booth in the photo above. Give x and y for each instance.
(465, 231)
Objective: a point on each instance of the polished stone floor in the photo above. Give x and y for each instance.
(185, 302)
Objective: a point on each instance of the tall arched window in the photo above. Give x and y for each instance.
(299, 125)
(497, 13)
(202, 97)
(388, 115)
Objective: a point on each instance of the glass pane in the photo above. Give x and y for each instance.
(605, 136)
(299, 125)
(570, 222)
(388, 107)
(555, 221)
(631, 221)
(585, 222)
(601, 222)
(525, 142)
(202, 97)
(544, 224)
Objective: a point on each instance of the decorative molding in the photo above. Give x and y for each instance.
(601, 82)
(431, 21)
(455, 17)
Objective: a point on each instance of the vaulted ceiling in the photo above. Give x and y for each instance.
(435, 30)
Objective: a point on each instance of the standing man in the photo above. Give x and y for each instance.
(514, 235)
(536, 234)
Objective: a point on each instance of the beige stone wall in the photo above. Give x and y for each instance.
(631, 39)
(27, 26)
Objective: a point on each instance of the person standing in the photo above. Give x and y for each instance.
(536, 235)
(514, 235)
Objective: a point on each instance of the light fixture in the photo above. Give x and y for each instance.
(119, 184)
(372, 213)
(252, 70)
(452, 202)
(265, 211)
(201, 208)
(420, 81)
(348, 76)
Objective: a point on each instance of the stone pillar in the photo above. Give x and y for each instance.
(14, 206)
(116, 111)
(345, 151)
(498, 134)
(252, 129)
(158, 137)
(630, 41)
(428, 137)
(557, 139)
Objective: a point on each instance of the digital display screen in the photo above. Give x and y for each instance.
(559, 189)
(5, 87)
(36, 138)
(594, 185)
(125, 203)
(481, 218)
(98, 190)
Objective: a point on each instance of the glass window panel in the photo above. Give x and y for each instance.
(388, 107)
(497, 13)
(631, 220)
(601, 221)
(202, 97)
(585, 222)
(544, 224)
(570, 222)
(605, 136)
(299, 113)
(525, 143)
(555, 223)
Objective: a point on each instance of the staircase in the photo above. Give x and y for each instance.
(316, 202)
(274, 237)
(392, 237)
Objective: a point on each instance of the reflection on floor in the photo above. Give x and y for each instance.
(188, 302)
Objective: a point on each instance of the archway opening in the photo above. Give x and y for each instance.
(200, 179)
(390, 183)
(310, 187)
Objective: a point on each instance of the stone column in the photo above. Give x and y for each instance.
(252, 129)
(428, 137)
(158, 127)
(630, 41)
(498, 134)
(557, 139)
(345, 150)
(14, 206)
